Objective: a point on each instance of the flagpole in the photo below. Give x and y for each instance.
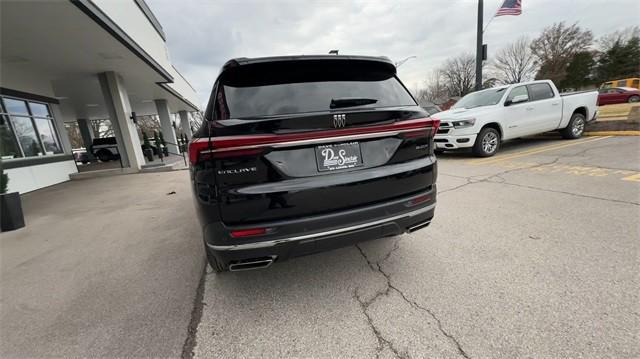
(479, 47)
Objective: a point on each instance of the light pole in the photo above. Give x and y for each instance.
(397, 64)
(479, 48)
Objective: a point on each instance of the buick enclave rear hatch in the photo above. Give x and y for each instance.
(294, 138)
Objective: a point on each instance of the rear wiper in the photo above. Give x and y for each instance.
(350, 102)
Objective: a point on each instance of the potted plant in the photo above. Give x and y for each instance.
(156, 139)
(11, 216)
(165, 149)
(146, 147)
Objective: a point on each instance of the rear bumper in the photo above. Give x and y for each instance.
(332, 231)
(452, 142)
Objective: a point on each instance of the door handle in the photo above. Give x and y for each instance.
(555, 104)
(529, 108)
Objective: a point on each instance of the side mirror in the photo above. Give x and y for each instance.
(516, 100)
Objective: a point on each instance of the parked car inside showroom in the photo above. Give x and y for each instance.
(303, 154)
(105, 149)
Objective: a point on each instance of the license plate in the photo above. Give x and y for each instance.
(338, 156)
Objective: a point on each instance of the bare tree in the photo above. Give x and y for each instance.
(623, 36)
(197, 118)
(74, 135)
(555, 48)
(148, 124)
(434, 92)
(515, 63)
(458, 74)
(102, 128)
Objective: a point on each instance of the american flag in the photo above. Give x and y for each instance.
(510, 7)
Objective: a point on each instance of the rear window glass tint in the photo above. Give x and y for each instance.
(282, 99)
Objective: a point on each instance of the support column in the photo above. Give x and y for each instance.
(119, 109)
(87, 136)
(58, 118)
(165, 124)
(184, 124)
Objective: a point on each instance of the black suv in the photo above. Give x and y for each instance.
(303, 154)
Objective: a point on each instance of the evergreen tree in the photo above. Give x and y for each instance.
(579, 71)
(621, 60)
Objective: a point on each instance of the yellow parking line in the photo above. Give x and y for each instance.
(534, 151)
(635, 178)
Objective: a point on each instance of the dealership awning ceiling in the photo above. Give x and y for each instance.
(59, 42)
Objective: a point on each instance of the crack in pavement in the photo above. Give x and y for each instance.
(196, 315)
(490, 177)
(381, 340)
(571, 193)
(376, 267)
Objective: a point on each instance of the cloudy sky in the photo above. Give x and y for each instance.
(203, 35)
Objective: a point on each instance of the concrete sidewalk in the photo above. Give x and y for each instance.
(106, 267)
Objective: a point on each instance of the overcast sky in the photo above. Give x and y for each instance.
(203, 35)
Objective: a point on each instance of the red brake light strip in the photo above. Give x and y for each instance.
(234, 143)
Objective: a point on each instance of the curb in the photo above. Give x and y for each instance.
(612, 133)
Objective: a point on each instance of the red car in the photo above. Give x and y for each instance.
(612, 95)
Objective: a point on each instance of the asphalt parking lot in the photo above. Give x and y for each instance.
(532, 253)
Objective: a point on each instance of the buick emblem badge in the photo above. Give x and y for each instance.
(339, 120)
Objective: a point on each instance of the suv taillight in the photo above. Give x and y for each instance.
(196, 147)
(242, 145)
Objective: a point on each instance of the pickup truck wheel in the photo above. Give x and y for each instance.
(213, 262)
(575, 128)
(487, 143)
(634, 98)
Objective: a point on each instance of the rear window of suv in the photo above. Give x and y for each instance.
(307, 87)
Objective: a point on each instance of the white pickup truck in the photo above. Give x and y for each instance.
(482, 120)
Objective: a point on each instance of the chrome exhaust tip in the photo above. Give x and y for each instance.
(251, 264)
(418, 226)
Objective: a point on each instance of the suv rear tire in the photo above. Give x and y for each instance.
(575, 128)
(213, 262)
(487, 143)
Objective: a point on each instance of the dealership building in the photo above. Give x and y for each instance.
(77, 61)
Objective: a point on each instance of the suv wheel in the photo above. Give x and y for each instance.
(575, 128)
(487, 143)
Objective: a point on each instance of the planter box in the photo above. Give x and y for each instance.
(11, 216)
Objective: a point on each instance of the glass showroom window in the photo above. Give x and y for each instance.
(27, 129)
